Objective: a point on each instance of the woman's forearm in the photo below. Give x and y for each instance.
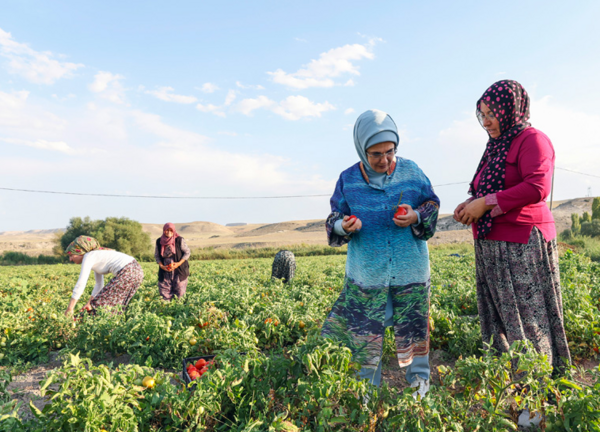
(71, 306)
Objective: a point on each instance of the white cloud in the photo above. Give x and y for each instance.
(349, 111)
(249, 86)
(296, 107)
(246, 106)
(64, 98)
(108, 86)
(228, 133)
(291, 108)
(300, 39)
(209, 88)
(331, 64)
(35, 66)
(165, 94)
(231, 95)
(17, 115)
(41, 144)
(210, 108)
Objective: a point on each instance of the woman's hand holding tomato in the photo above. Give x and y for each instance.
(351, 224)
(404, 220)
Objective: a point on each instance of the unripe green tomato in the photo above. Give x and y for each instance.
(138, 382)
(58, 345)
(169, 323)
(2, 344)
(1, 356)
(53, 316)
(3, 339)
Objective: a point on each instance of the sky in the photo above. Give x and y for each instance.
(258, 99)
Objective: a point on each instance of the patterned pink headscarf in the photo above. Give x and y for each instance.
(168, 241)
(509, 102)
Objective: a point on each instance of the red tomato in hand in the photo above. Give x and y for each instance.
(352, 217)
(400, 212)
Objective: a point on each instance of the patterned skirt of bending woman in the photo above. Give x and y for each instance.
(118, 292)
(519, 297)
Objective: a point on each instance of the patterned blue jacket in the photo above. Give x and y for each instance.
(382, 254)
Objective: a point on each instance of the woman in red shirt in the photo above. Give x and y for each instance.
(518, 281)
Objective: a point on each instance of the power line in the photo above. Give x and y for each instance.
(577, 172)
(172, 197)
(158, 196)
(224, 197)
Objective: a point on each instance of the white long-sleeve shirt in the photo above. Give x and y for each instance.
(101, 262)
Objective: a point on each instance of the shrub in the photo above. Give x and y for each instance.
(591, 229)
(122, 234)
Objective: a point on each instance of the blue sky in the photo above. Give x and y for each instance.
(258, 98)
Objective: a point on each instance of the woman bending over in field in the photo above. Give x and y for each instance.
(387, 267)
(117, 294)
(171, 254)
(518, 281)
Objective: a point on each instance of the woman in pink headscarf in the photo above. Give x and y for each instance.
(172, 254)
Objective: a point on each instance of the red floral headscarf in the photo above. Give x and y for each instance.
(509, 102)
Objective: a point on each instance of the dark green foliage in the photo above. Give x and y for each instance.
(18, 258)
(575, 223)
(591, 229)
(566, 235)
(596, 209)
(585, 217)
(122, 234)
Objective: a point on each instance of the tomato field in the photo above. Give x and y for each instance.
(289, 378)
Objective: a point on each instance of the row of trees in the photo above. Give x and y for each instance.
(586, 224)
(122, 234)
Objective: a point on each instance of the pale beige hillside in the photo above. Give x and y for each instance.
(208, 234)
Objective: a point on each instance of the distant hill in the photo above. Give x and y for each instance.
(240, 235)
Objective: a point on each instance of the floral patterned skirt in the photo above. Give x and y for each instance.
(519, 297)
(119, 291)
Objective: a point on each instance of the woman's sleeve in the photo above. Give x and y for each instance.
(84, 274)
(428, 210)
(339, 209)
(535, 164)
(99, 284)
(157, 256)
(185, 249)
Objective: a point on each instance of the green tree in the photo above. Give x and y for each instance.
(591, 229)
(596, 209)
(586, 217)
(77, 226)
(575, 223)
(122, 234)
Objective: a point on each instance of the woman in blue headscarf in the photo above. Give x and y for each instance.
(387, 268)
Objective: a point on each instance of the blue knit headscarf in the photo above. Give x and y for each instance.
(373, 127)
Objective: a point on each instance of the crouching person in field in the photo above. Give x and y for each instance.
(385, 209)
(284, 266)
(128, 275)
